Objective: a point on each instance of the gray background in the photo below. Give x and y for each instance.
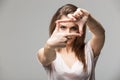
(24, 29)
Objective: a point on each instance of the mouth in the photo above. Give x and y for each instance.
(69, 37)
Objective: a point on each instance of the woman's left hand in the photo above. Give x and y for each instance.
(80, 16)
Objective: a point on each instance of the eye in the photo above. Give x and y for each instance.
(74, 28)
(63, 27)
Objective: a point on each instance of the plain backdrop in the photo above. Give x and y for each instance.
(24, 29)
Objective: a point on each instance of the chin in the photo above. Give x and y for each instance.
(69, 42)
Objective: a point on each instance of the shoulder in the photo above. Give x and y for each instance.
(88, 46)
(90, 53)
(89, 50)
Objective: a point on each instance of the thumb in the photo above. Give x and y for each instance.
(80, 25)
(71, 17)
(56, 27)
(81, 29)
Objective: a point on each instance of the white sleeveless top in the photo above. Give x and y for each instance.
(58, 70)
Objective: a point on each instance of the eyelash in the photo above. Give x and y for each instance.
(74, 28)
(62, 27)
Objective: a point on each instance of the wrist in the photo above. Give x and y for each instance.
(49, 46)
(89, 20)
(92, 21)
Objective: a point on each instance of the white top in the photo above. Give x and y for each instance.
(58, 70)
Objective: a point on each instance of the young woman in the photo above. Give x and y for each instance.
(65, 55)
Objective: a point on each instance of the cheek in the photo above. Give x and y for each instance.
(61, 30)
(74, 31)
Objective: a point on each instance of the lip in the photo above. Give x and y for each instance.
(69, 38)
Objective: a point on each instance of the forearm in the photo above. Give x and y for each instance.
(98, 35)
(46, 55)
(95, 27)
(49, 52)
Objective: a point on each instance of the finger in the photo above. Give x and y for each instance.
(64, 39)
(57, 27)
(72, 34)
(78, 11)
(62, 44)
(65, 20)
(80, 25)
(71, 17)
(78, 14)
(81, 30)
(84, 20)
(85, 12)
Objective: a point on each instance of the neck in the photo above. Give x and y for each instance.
(67, 49)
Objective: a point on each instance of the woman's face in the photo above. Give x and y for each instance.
(68, 27)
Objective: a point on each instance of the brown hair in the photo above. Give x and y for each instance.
(79, 44)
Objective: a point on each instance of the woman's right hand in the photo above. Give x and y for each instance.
(59, 39)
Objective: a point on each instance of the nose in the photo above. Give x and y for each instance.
(68, 31)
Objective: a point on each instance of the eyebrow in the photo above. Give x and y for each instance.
(70, 26)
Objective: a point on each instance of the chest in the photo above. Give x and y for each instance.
(68, 59)
(64, 67)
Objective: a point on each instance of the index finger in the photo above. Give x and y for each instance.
(57, 27)
(64, 20)
(73, 34)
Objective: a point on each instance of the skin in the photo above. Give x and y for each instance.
(66, 27)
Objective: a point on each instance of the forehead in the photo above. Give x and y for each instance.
(67, 23)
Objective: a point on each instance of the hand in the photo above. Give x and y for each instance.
(81, 17)
(59, 39)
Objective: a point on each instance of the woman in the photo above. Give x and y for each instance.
(65, 55)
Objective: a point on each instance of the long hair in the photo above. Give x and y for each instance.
(78, 44)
